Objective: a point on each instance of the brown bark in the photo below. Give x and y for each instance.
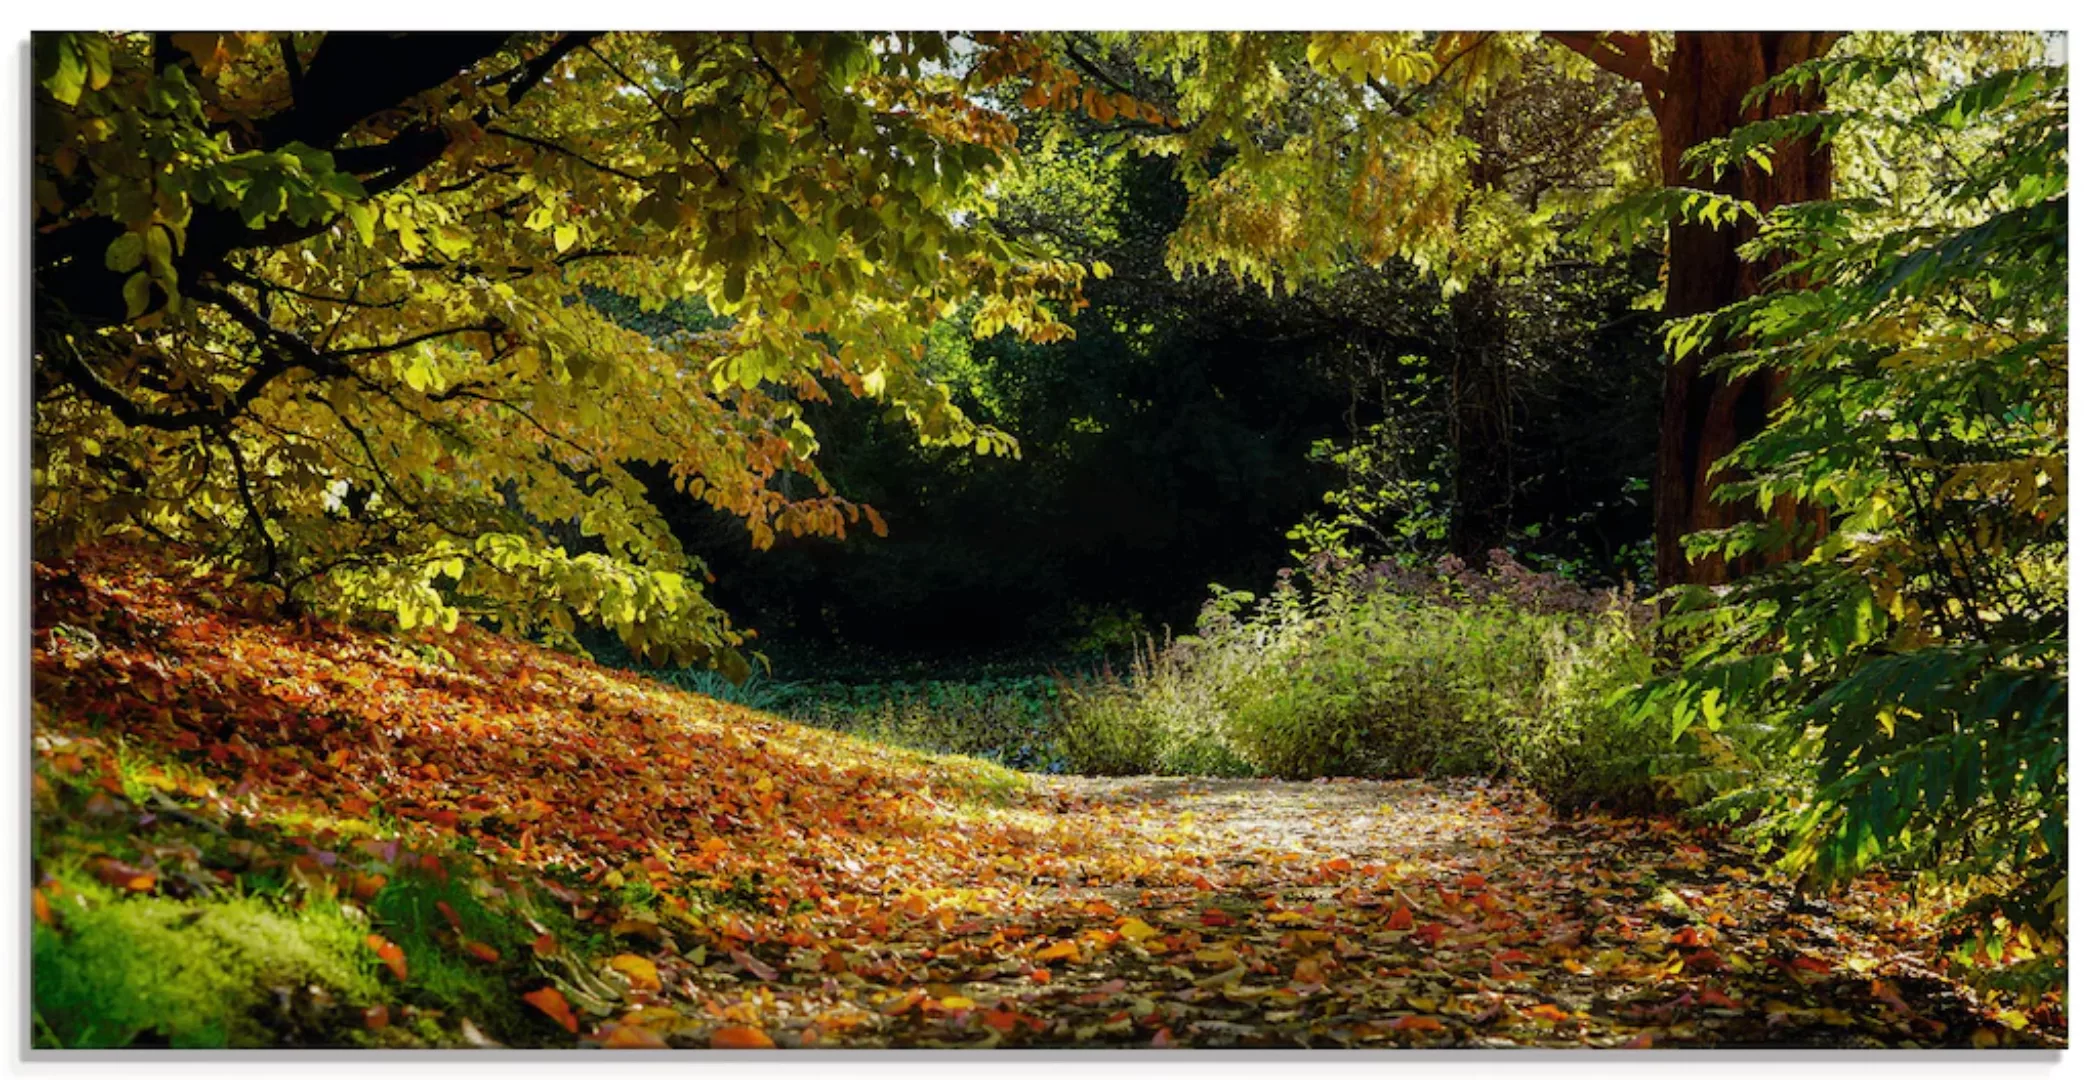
(1704, 416)
(1696, 97)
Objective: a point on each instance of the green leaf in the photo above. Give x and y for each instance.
(137, 294)
(124, 252)
(66, 82)
(365, 218)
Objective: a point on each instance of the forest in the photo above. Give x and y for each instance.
(712, 541)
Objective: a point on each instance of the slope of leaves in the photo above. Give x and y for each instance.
(540, 851)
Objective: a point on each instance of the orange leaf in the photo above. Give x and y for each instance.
(41, 906)
(1419, 1023)
(740, 1037)
(451, 916)
(366, 886)
(633, 1037)
(484, 953)
(549, 1000)
(1402, 918)
(1549, 1012)
(1063, 950)
(391, 954)
(376, 1017)
(544, 945)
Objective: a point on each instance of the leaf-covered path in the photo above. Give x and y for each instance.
(480, 841)
(1459, 914)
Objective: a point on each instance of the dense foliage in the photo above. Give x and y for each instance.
(1163, 447)
(312, 300)
(1920, 649)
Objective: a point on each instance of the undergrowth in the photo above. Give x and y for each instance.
(1384, 672)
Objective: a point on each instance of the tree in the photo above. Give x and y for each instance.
(1916, 654)
(1306, 152)
(313, 302)
(1699, 91)
(1463, 155)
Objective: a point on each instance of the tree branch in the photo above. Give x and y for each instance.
(544, 144)
(1629, 56)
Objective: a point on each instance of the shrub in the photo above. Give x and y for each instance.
(1165, 718)
(1387, 671)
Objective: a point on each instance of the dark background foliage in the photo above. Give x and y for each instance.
(1171, 446)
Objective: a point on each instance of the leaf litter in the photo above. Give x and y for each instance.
(758, 884)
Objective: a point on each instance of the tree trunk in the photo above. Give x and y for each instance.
(1705, 416)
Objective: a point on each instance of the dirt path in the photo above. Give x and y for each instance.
(1356, 913)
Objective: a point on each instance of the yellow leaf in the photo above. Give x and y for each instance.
(1137, 930)
(639, 971)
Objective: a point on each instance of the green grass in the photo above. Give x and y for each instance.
(1013, 720)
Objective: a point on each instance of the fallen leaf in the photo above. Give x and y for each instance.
(739, 1037)
(640, 971)
(754, 965)
(551, 1002)
(1137, 930)
(1063, 950)
(124, 876)
(632, 1037)
(390, 954)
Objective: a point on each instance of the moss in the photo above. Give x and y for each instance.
(192, 974)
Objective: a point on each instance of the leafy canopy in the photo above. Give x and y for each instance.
(314, 302)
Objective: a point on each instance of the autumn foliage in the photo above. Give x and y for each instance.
(633, 866)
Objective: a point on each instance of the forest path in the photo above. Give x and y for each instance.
(1419, 913)
(523, 847)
